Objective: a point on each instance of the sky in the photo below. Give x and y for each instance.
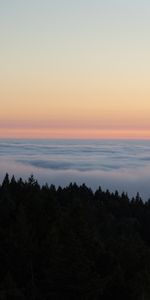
(74, 69)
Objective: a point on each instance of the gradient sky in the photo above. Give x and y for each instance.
(75, 68)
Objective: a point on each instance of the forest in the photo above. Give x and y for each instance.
(72, 243)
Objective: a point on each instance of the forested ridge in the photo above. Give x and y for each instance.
(72, 243)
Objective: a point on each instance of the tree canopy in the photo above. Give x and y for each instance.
(72, 243)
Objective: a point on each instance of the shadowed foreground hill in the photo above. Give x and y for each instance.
(71, 243)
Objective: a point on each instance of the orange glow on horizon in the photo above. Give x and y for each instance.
(74, 134)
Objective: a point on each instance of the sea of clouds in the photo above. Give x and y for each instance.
(122, 165)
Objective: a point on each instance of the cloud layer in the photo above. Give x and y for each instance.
(122, 165)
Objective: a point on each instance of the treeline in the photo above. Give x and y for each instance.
(72, 243)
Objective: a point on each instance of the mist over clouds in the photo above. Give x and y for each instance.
(113, 164)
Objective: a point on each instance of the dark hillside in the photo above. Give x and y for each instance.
(72, 243)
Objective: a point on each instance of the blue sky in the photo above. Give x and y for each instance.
(97, 48)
